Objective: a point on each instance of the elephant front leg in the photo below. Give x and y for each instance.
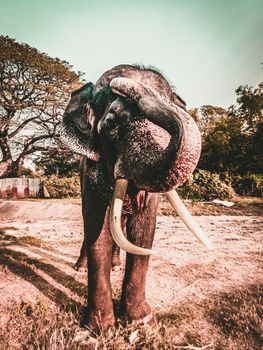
(133, 302)
(140, 230)
(100, 307)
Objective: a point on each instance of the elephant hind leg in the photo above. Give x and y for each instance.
(82, 262)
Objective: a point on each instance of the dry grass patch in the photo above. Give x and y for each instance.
(239, 316)
(36, 326)
(41, 326)
(226, 321)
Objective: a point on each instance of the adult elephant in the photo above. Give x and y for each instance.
(138, 140)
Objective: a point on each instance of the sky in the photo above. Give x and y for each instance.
(205, 48)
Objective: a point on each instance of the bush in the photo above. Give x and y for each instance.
(204, 185)
(248, 184)
(63, 187)
(27, 172)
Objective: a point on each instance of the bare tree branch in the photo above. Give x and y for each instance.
(20, 127)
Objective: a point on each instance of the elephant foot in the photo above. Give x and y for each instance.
(96, 321)
(81, 265)
(139, 312)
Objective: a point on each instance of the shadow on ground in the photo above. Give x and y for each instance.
(25, 267)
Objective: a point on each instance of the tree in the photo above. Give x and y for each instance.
(222, 146)
(64, 163)
(249, 112)
(207, 117)
(249, 107)
(34, 89)
(235, 141)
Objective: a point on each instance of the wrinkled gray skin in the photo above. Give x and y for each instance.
(94, 125)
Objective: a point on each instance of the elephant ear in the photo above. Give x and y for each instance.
(77, 129)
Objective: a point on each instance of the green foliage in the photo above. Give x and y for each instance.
(247, 184)
(27, 172)
(233, 141)
(63, 187)
(207, 117)
(60, 162)
(204, 185)
(249, 106)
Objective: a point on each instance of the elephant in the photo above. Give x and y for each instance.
(137, 140)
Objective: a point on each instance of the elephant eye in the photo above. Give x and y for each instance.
(113, 110)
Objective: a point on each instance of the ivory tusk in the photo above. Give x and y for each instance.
(115, 220)
(187, 218)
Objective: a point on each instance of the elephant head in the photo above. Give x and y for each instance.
(77, 130)
(154, 143)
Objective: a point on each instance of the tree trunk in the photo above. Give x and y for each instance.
(4, 168)
(9, 168)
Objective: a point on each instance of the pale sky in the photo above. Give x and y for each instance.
(206, 48)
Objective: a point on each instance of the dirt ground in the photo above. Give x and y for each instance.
(40, 241)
